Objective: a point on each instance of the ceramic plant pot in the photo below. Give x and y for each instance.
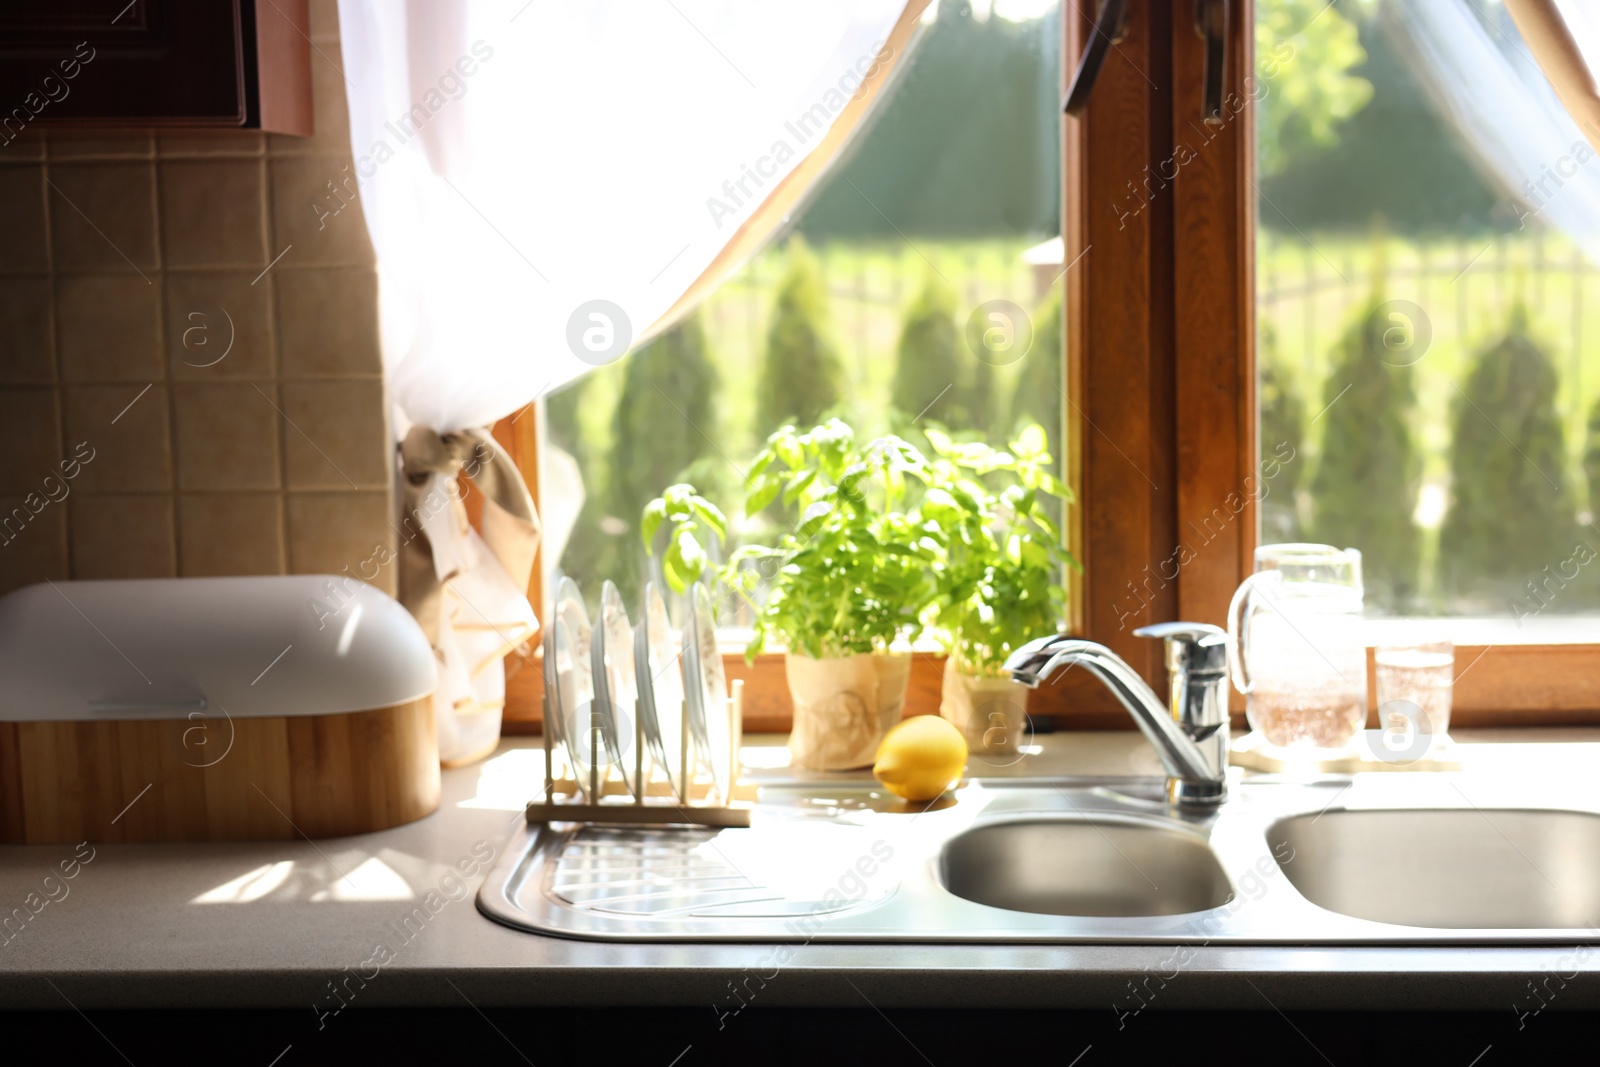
(990, 712)
(843, 706)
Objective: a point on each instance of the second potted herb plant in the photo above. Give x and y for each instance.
(998, 584)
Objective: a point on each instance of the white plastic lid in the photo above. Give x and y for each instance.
(166, 647)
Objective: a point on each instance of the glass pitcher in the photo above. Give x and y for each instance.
(1296, 646)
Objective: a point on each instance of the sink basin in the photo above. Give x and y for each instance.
(1457, 869)
(1378, 859)
(1085, 866)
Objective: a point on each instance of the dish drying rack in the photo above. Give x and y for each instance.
(687, 801)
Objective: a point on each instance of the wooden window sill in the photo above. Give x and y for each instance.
(1497, 685)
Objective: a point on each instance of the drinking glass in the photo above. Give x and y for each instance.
(1418, 678)
(1296, 646)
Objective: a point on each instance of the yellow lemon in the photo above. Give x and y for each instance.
(919, 758)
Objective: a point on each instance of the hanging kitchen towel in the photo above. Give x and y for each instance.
(468, 591)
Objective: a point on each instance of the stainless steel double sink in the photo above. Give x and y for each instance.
(1379, 858)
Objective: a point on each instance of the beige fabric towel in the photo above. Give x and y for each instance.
(469, 592)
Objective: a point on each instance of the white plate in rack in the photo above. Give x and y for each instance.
(572, 668)
(658, 669)
(706, 685)
(616, 691)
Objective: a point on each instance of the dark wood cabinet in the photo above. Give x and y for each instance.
(210, 64)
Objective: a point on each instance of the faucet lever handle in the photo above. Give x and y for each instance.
(1169, 630)
(1191, 646)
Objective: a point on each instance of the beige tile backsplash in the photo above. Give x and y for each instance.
(66, 146)
(205, 343)
(94, 309)
(226, 436)
(319, 340)
(213, 213)
(121, 536)
(129, 429)
(345, 456)
(29, 430)
(328, 531)
(231, 533)
(102, 217)
(24, 242)
(314, 206)
(198, 313)
(34, 552)
(26, 322)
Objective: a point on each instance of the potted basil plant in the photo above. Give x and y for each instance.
(844, 584)
(999, 583)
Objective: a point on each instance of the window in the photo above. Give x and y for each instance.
(1163, 324)
(1216, 277)
(945, 213)
(1424, 322)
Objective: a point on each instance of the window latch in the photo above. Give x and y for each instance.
(1110, 25)
(1211, 24)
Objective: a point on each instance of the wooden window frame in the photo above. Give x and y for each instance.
(1166, 310)
(1160, 308)
(1159, 229)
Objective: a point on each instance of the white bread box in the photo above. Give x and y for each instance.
(207, 709)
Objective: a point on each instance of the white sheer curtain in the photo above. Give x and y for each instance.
(1489, 84)
(566, 153)
(544, 181)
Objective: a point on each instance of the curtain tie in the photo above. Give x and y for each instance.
(468, 591)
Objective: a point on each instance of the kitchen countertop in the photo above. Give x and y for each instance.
(277, 924)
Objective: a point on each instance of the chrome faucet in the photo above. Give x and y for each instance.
(1190, 733)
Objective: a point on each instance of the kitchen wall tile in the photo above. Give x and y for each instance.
(30, 438)
(110, 329)
(103, 216)
(65, 146)
(211, 213)
(105, 264)
(242, 144)
(33, 546)
(342, 443)
(219, 325)
(330, 531)
(329, 322)
(227, 436)
(122, 536)
(230, 533)
(28, 148)
(122, 432)
(330, 113)
(25, 330)
(315, 214)
(23, 245)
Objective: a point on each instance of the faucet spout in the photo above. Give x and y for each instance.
(1189, 733)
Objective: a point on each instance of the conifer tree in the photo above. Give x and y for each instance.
(1511, 512)
(801, 375)
(1282, 431)
(1591, 460)
(665, 420)
(929, 364)
(587, 550)
(1364, 492)
(1040, 380)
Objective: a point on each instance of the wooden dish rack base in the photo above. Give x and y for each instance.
(685, 802)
